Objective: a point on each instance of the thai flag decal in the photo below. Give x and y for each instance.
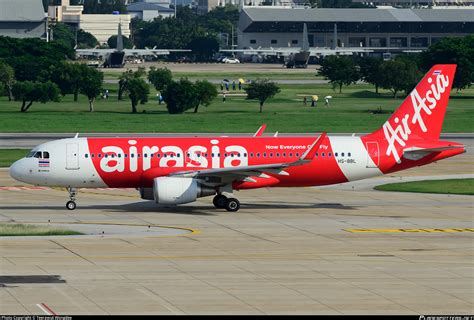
(43, 163)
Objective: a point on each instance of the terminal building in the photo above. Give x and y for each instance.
(22, 19)
(383, 30)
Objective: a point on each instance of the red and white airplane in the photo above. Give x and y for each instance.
(180, 170)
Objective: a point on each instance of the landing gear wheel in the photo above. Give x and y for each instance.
(219, 201)
(71, 205)
(232, 205)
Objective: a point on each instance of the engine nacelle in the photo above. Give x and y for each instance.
(176, 190)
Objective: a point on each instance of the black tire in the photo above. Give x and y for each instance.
(232, 205)
(219, 201)
(71, 205)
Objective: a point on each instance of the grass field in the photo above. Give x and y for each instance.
(16, 230)
(451, 186)
(349, 112)
(8, 156)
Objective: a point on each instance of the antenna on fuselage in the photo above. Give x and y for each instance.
(77, 135)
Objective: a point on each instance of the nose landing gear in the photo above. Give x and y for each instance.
(71, 204)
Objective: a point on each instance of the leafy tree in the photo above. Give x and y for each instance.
(180, 96)
(7, 78)
(459, 51)
(205, 93)
(31, 57)
(112, 42)
(86, 40)
(160, 78)
(399, 75)
(68, 76)
(261, 90)
(126, 76)
(29, 92)
(138, 91)
(64, 34)
(340, 70)
(91, 85)
(370, 71)
(204, 47)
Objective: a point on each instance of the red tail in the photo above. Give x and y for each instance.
(421, 115)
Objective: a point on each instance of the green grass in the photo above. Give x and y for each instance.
(16, 230)
(450, 186)
(8, 156)
(284, 113)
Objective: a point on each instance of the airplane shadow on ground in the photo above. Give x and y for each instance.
(150, 206)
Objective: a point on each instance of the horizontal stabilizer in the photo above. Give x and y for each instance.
(423, 149)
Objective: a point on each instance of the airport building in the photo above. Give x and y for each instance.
(148, 11)
(22, 19)
(101, 26)
(386, 30)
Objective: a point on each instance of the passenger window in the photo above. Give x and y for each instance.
(119, 155)
(245, 155)
(329, 154)
(342, 154)
(158, 155)
(284, 154)
(297, 154)
(92, 155)
(271, 155)
(132, 155)
(125, 155)
(138, 155)
(317, 154)
(145, 155)
(349, 154)
(106, 155)
(335, 154)
(323, 154)
(86, 155)
(251, 154)
(258, 155)
(291, 154)
(278, 155)
(99, 155)
(264, 154)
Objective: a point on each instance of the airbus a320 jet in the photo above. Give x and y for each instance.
(175, 171)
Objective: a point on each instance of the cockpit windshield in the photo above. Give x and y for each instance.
(38, 154)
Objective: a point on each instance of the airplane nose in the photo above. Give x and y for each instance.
(17, 170)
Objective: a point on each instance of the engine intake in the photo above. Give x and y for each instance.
(176, 190)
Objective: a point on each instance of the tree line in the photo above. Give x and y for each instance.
(405, 71)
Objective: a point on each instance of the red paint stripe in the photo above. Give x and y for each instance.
(48, 309)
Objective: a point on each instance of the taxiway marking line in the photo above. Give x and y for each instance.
(407, 230)
(46, 309)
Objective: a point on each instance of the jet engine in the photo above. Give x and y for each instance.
(176, 190)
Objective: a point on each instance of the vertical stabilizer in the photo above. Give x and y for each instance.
(119, 38)
(304, 42)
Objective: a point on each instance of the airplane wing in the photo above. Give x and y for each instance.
(151, 52)
(222, 176)
(418, 152)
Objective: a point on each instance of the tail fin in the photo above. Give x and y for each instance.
(421, 114)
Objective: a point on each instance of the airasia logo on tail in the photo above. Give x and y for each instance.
(397, 134)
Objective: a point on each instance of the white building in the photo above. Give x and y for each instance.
(148, 11)
(101, 26)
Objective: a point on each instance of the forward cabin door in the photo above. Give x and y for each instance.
(72, 156)
(373, 154)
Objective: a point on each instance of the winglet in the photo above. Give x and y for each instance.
(309, 154)
(260, 130)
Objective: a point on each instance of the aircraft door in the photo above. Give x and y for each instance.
(72, 156)
(373, 155)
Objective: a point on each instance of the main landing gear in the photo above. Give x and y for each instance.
(222, 202)
(71, 204)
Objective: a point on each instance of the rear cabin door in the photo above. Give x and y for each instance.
(72, 156)
(373, 155)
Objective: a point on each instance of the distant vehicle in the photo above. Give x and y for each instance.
(178, 170)
(230, 60)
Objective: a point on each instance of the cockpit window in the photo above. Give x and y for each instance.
(38, 154)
